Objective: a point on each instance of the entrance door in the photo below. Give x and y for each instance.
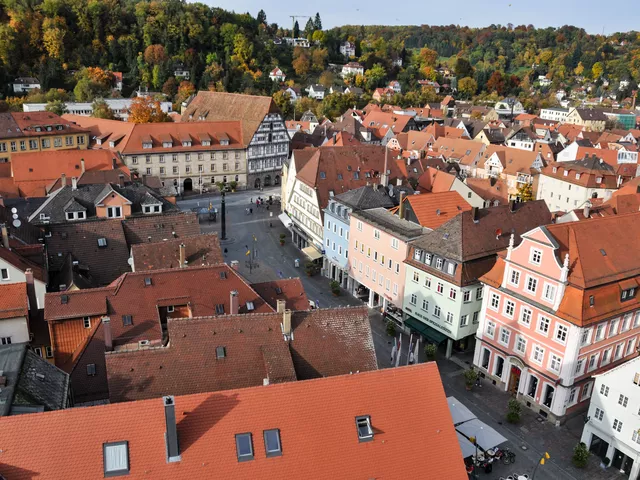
(256, 184)
(514, 379)
(548, 396)
(598, 446)
(276, 181)
(188, 185)
(267, 180)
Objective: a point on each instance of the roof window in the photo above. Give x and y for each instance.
(356, 175)
(220, 309)
(323, 175)
(148, 282)
(250, 306)
(278, 290)
(102, 242)
(221, 352)
(365, 432)
(127, 320)
(339, 176)
(116, 458)
(223, 275)
(64, 299)
(272, 444)
(91, 369)
(244, 447)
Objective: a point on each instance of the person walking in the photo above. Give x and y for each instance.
(251, 211)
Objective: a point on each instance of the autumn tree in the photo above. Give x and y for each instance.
(375, 76)
(301, 63)
(525, 192)
(170, 87)
(185, 90)
(496, 83)
(319, 58)
(146, 110)
(155, 55)
(597, 70)
(93, 82)
(102, 110)
(283, 100)
(327, 78)
(467, 86)
(428, 57)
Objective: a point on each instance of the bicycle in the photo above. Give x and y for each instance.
(508, 457)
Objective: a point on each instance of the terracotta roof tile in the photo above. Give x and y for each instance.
(13, 300)
(200, 250)
(28, 121)
(21, 262)
(290, 290)
(157, 228)
(107, 130)
(467, 152)
(434, 209)
(489, 189)
(325, 445)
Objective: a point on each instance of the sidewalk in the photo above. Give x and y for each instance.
(530, 438)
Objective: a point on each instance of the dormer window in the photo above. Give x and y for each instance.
(167, 144)
(147, 145)
(186, 144)
(627, 294)
(148, 209)
(76, 216)
(224, 142)
(577, 176)
(206, 143)
(598, 179)
(416, 254)
(555, 170)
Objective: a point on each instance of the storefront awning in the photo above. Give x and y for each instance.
(459, 413)
(312, 253)
(286, 221)
(485, 436)
(425, 330)
(468, 448)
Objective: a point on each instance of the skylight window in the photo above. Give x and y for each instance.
(250, 306)
(365, 432)
(223, 275)
(127, 320)
(244, 447)
(102, 242)
(221, 352)
(64, 299)
(148, 282)
(220, 309)
(278, 290)
(91, 369)
(116, 458)
(272, 444)
(323, 175)
(339, 176)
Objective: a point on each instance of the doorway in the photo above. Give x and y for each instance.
(621, 462)
(514, 379)
(276, 180)
(267, 180)
(188, 185)
(256, 184)
(548, 396)
(598, 446)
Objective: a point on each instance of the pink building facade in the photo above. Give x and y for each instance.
(378, 246)
(559, 308)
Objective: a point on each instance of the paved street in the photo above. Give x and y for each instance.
(529, 439)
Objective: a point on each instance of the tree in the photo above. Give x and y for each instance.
(597, 70)
(428, 57)
(326, 78)
(301, 63)
(463, 68)
(375, 76)
(170, 87)
(467, 86)
(185, 90)
(296, 30)
(496, 83)
(93, 82)
(309, 28)
(579, 70)
(283, 100)
(146, 110)
(580, 455)
(525, 192)
(102, 110)
(154, 55)
(262, 17)
(57, 106)
(317, 23)
(319, 58)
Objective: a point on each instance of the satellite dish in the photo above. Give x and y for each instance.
(15, 216)
(14, 210)
(17, 223)
(130, 261)
(391, 190)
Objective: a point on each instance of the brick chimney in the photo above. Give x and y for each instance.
(31, 292)
(5, 236)
(114, 163)
(121, 180)
(63, 180)
(82, 165)
(183, 255)
(108, 335)
(286, 323)
(74, 183)
(233, 301)
(474, 214)
(281, 306)
(171, 431)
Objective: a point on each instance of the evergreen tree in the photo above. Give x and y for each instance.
(296, 30)
(262, 17)
(317, 23)
(308, 28)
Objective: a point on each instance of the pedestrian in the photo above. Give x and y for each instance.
(267, 208)
(251, 211)
(270, 225)
(251, 200)
(478, 380)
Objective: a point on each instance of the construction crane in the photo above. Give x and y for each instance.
(293, 22)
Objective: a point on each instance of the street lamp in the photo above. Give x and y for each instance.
(544, 457)
(223, 219)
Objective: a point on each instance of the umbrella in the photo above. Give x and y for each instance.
(468, 448)
(459, 413)
(486, 437)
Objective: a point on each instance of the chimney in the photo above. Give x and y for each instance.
(401, 205)
(82, 165)
(5, 237)
(384, 178)
(474, 214)
(171, 432)
(74, 183)
(121, 180)
(183, 255)
(512, 206)
(108, 335)
(286, 323)
(587, 209)
(281, 306)
(233, 301)
(114, 164)
(63, 180)
(31, 292)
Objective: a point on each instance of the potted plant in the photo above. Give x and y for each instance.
(310, 268)
(430, 351)
(233, 184)
(513, 411)
(335, 287)
(580, 455)
(604, 464)
(470, 377)
(391, 329)
(282, 238)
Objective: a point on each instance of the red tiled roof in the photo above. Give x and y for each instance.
(291, 290)
(200, 250)
(434, 209)
(324, 445)
(466, 151)
(158, 228)
(22, 263)
(27, 121)
(609, 156)
(13, 300)
(489, 189)
(106, 130)
(381, 121)
(325, 343)
(435, 181)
